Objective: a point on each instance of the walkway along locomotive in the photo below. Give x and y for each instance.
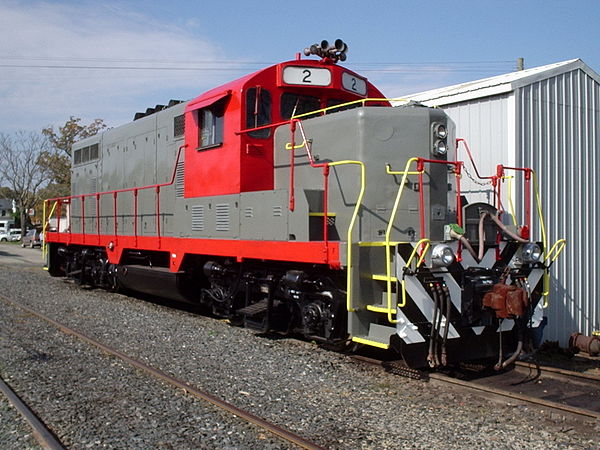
(296, 199)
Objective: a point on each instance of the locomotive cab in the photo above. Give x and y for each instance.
(229, 130)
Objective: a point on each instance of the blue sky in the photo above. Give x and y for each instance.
(110, 59)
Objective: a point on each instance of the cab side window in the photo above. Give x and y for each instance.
(211, 125)
(258, 111)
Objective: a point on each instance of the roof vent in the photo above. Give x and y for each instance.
(157, 108)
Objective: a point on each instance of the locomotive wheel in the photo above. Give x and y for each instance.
(346, 346)
(236, 320)
(112, 282)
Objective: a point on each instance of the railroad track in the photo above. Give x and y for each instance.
(557, 389)
(44, 436)
(40, 431)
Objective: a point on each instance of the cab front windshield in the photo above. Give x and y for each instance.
(295, 104)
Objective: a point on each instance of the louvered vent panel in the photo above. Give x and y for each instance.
(93, 185)
(277, 211)
(198, 218)
(179, 176)
(222, 211)
(249, 212)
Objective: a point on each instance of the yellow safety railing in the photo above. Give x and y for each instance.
(427, 243)
(551, 255)
(554, 251)
(349, 267)
(288, 146)
(511, 204)
(538, 203)
(344, 105)
(363, 182)
(390, 309)
(388, 232)
(46, 222)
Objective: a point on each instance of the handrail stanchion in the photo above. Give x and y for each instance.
(58, 215)
(135, 215)
(325, 202)
(70, 218)
(158, 214)
(292, 202)
(115, 214)
(83, 217)
(98, 217)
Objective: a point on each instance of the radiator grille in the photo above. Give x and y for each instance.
(178, 126)
(222, 211)
(198, 218)
(93, 185)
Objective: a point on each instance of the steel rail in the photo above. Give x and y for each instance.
(502, 392)
(515, 396)
(568, 373)
(203, 395)
(40, 431)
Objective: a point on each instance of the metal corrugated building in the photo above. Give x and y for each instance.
(546, 118)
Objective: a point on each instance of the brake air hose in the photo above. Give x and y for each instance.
(500, 225)
(515, 355)
(446, 293)
(430, 356)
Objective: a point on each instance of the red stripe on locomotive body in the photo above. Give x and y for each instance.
(301, 252)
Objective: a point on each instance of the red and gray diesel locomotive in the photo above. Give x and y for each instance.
(296, 199)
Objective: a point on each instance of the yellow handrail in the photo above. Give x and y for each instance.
(363, 182)
(427, 243)
(539, 209)
(388, 231)
(556, 250)
(389, 171)
(353, 102)
(45, 226)
(513, 214)
(288, 146)
(349, 267)
(552, 254)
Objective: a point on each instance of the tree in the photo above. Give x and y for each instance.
(72, 132)
(21, 168)
(57, 160)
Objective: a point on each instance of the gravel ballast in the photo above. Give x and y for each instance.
(90, 399)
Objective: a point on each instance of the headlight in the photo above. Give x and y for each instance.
(440, 147)
(442, 256)
(531, 252)
(441, 131)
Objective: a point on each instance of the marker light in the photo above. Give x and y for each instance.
(440, 147)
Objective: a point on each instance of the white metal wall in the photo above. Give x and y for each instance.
(553, 126)
(558, 123)
(485, 124)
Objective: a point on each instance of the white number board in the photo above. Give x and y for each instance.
(308, 76)
(354, 84)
